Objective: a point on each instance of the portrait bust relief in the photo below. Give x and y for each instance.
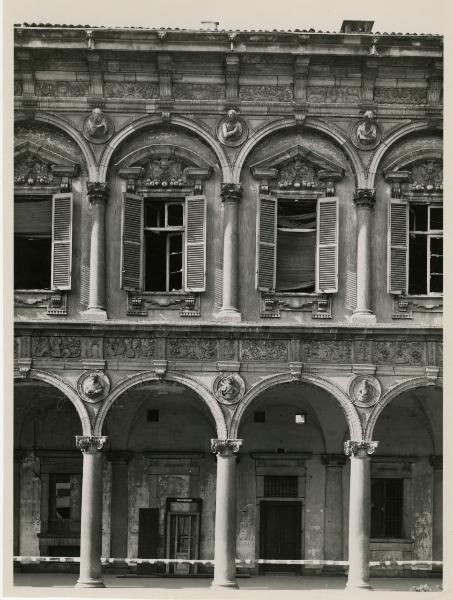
(232, 130)
(365, 391)
(98, 127)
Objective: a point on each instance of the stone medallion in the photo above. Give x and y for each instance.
(365, 391)
(232, 130)
(98, 127)
(228, 388)
(93, 386)
(366, 133)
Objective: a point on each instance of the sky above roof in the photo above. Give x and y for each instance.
(405, 16)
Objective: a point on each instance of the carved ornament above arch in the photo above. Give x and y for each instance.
(416, 174)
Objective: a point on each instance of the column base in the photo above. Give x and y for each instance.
(230, 314)
(90, 583)
(225, 584)
(363, 317)
(351, 587)
(94, 314)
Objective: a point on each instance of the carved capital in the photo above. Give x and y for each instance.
(97, 191)
(231, 192)
(365, 197)
(225, 447)
(333, 460)
(90, 443)
(436, 462)
(361, 448)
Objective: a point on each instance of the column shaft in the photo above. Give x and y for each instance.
(231, 194)
(364, 200)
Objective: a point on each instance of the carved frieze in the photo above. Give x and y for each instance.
(164, 173)
(228, 349)
(31, 170)
(133, 90)
(124, 347)
(399, 353)
(93, 386)
(343, 95)
(365, 391)
(363, 351)
(400, 95)
(326, 351)
(62, 88)
(297, 174)
(427, 176)
(264, 350)
(228, 388)
(56, 347)
(192, 349)
(198, 91)
(267, 93)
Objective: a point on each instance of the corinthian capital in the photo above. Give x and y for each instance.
(97, 191)
(225, 447)
(365, 197)
(90, 443)
(231, 192)
(361, 448)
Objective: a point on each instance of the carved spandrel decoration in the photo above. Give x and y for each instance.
(267, 93)
(133, 90)
(192, 349)
(264, 350)
(98, 127)
(129, 348)
(32, 170)
(400, 95)
(93, 386)
(198, 91)
(232, 130)
(343, 95)
(228, 388)
(400, 353)
(74, 89)
(366, 134)
(365, 391)
(57, 347)
(326, 351)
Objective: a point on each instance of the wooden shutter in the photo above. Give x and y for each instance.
(266, 243)
(195, 252)
(61, 241)
(327, 246)
(132, 243)
(398, 238)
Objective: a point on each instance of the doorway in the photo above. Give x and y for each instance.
(280, 534)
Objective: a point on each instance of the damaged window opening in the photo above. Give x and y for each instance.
(425, 249)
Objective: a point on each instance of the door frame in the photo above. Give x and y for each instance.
(300, 513)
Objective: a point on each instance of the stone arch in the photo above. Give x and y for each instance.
(352, 418)
(330, 131)
(75, 134)
(390, 395)
(393, 137)
(179, 121)
(147, 376)
(69, 392)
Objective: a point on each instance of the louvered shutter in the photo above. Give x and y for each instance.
(327, 246)
(195, 251)
(61, 241)
(398, 246)
(132, 243)
(266, 243)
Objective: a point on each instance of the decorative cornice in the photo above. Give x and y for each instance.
(97, 191)
(231, 192)
(89, 444)
(225, 447)
(361, 448)
(365, 197)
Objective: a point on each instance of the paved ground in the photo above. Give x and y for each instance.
(263, 587)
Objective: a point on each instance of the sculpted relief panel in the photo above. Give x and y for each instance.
(192, 349)
(336, 351)
(57, 347)
(264, 350)
(400, 353)
(122, 347)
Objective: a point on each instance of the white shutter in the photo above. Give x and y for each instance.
(266, 243)
(195, 251)
(132, 243)
(327, 246)
(398, 238)
(61, 241)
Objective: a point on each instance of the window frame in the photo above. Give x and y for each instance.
(384, 535)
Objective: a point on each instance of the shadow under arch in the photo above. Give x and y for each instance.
(69, 392)
(391, 394)
(177, 120)
(388, 142)
(316, 124)
(147, 376)
(74, 133)
(352, 418)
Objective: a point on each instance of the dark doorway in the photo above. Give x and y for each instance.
(148, 537)
(280, 534)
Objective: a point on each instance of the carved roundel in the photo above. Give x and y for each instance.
(93, 386)
(228, 388)
(98, 127)
(232, 130)
(365, 134)
(365, 391)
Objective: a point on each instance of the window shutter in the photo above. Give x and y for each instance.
(266, 243)
(61, 241)
(195, 253)
(132, 243)
(327, 246)
(398, 246)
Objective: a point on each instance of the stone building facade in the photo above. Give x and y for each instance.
(228, 299)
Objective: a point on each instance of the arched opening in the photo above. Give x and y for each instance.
(293, 482)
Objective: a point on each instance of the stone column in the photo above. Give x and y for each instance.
(359, 514)
(364, 200)
(97, 196)
(333, 516)
(119, 511)
(437, 464)
(91, 514)
(225, 513)
(18, 458)
(231, 196)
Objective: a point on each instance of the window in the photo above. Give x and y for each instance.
(64, 502)
(297, 245)
(416, 248)
(280, 486)
(164, 244)
(42, 242)
(387, 508)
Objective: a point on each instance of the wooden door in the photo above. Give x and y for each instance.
(148, 537)
(280, 533)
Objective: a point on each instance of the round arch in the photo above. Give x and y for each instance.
(147, 376)
(332, 132)
(352, 418)
(69, 392)
(394, 392)
(179, 121)
(385, 145)
(76, 135)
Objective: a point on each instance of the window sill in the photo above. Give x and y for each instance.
(55, 302)
(405, 306)
(139, 303)
(318, 304)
